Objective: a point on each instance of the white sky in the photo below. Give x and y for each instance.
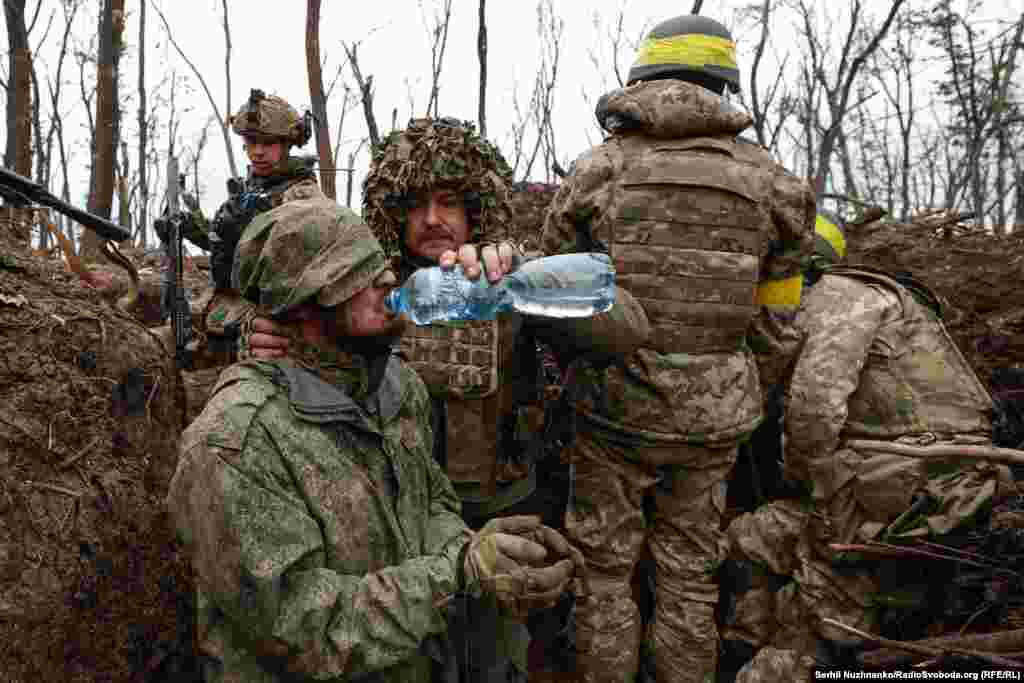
(268, 51)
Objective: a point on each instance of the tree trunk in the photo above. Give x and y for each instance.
(481, 53)
(316, 96)
(101, 194)
(143, 132)
(124, 215)
(18, 152)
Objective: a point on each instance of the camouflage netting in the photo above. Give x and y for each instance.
(91, 583)
(430, 154)
(529, 203)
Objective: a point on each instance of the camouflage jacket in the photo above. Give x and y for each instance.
(694, 219)
(322, 532)
(297, 182)
(876, 364)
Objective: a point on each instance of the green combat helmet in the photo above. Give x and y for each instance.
(270, 118)
(688, 47)
(308, 250)
(434, 154)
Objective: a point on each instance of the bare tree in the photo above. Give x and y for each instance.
(893, 70)
(365, 86)
(979, 80)
(550, 30)
(143, 205)
(837, 87)
(317, 97)
(437, 29)
(773, 103)
(481, 55)
(351, 169)
(18, 152)
(101, 192)
(222, 120)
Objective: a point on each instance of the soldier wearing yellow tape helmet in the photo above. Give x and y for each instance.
(697, 221)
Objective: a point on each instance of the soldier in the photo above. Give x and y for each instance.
(876, 367)
(433, 189)
(270, 127)
(324, 538)
(696, 221)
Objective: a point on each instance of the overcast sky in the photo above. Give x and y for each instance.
(268, 52)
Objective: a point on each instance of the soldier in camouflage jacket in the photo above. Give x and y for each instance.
(325, 540)
(708, 233)
(876, 365)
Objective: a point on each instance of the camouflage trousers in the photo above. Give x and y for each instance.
(791, 581)
(606, 521)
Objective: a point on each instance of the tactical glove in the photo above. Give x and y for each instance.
(526, 565)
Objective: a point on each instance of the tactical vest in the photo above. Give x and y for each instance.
(687, 238)
(462, 362)
(915, 380)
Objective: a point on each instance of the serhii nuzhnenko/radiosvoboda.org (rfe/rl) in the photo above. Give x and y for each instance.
(1008, 675)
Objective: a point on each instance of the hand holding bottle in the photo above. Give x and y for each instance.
(497, 260)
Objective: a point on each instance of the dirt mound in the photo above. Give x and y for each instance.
(92, 586)
(978, 277)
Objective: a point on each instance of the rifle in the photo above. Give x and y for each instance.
(180, 310)
(18, 191)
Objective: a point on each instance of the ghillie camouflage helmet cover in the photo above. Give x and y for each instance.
(304, 251)
(436, 154)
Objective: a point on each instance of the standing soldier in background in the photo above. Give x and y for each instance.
(696, 221)
(269, 127)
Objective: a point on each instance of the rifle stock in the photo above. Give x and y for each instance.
(19, 190)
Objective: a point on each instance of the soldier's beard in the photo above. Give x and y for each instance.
(372, 345)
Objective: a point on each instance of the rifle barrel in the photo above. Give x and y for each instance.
(40, 195)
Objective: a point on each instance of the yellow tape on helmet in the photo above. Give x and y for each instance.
(688, 49)
(832, 234)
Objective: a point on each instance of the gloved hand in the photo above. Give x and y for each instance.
(526, 565)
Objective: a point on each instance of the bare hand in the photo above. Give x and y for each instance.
(268, 339)
(498, 260)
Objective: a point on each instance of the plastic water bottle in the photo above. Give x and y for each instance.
(569, 286)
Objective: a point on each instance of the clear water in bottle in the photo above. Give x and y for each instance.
(567, 286)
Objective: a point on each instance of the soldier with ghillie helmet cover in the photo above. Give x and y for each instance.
(269, 127)
(434, 189)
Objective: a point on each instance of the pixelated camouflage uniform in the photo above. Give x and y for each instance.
(695, 220)
(219, 311)
(323, 535)
(481, 376)
(875, 364)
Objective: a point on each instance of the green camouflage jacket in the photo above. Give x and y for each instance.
(323, 533)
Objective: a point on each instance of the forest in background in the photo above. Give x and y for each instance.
(906, 105)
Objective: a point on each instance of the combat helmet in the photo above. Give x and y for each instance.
(305, 251)
(829, 237)
(432, 154)
(272, 118)
(687, 46)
